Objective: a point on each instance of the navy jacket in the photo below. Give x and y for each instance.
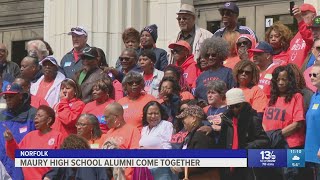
(20, 122)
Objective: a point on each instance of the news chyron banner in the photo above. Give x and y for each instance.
(276, 158)
(130, 158)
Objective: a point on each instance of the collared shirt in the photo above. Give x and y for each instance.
(189, 38)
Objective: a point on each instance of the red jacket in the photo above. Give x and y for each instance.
(300, 45)
(67, 114)
(190, 70)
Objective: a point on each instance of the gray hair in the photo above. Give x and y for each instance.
(40, 46)
(130, 76)
(219, 86)
(93, 120)
(219, 46)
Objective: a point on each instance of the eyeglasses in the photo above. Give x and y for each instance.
(174, 51)
(130, 83)
(317, 48)
(245, 43)
(313, 75)
(126, 59)
(182, 18)
(81, 124)
(226, 13)
(234, 106)
(245, 72)
(212, 55)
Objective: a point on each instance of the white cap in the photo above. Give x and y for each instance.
(79, 30)
(235, 96)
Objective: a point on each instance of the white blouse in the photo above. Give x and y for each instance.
(157, 137)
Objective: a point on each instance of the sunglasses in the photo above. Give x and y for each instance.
(126, 59)
(245, 72)
(226, 13)
(212, 55)
(317, 48)
(234, 106)
(176, 51)
(245, 43)
(130, 83)
(313, 75)
(184, 18)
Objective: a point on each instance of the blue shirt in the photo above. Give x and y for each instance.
(223, 73)
(311, 61)
(312, 143)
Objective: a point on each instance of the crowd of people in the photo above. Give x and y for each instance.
(225, 90)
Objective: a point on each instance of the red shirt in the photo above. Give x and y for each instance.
(281, 114)
(98, 110)
(118, 93)
(282, 56)
(300, 45)
(147, 81)
(190, 70)
(133, 110)
(35, 140)
(36, 101)
(231, 62)
(76, 55)
(67, 114)
(265, 79)
(45, 86)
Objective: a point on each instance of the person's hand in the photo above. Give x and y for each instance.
(243, 53)
(176, 170)
(215, 119)
(63, 95)
(205, 129)
(112, 70)
(7, 134)
(46, 178)
(297, 13)
(318, 154)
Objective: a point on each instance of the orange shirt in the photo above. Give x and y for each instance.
(231, 61)
(256, 97)
(281, 115)
(133, 109)
(126, 137)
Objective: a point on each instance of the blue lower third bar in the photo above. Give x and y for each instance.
(103, 153)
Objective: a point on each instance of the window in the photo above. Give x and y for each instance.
(213, 26)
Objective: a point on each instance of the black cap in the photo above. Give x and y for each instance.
(230, 6)
(89, 53)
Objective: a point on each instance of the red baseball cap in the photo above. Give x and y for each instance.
(307, 7)
(180, 43)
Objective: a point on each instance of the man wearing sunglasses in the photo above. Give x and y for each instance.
(189, 31)
(72, 62)
(241, 128)
(229, 17)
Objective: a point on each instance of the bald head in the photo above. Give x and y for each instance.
(115, 108)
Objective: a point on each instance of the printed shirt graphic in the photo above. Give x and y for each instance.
(282, 114)
(265, 79)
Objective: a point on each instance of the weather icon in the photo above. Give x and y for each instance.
(296, 158)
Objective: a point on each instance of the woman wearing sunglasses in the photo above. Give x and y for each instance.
(240, 128)
(136, 99)
(215, 50)
(247, 75)
(183, 57)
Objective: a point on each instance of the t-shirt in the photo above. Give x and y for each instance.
(35, 140)
(36, 101)
(281, 114)
(256, 98)
(186, 95)
(133, 109)
(45, 86)
(126, 137)
(147, 81)
(265, 79)
(157, 137)
(178, 139)
(283, 55)
(98, 110)
(222, 73)
(209, 110)
(312, 144)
